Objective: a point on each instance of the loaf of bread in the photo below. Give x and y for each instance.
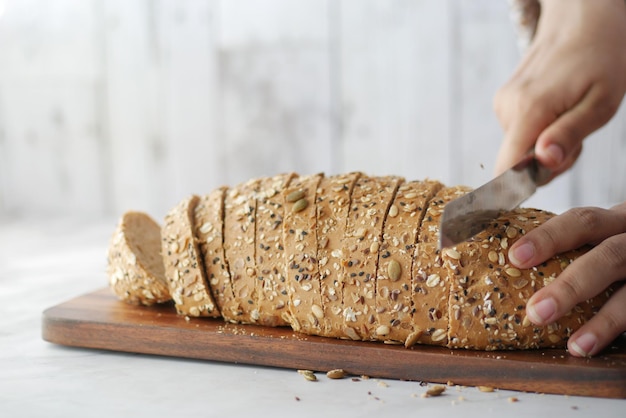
(344, 256)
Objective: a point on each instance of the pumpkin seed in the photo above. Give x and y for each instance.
(295, 196)
(436, 390)
(412, 338)
(300, 205)
(513, 272)
(336, 374)
(394, 270)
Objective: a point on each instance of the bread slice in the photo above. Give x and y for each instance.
(184, 266)
(134, 264)
(430, 281)
(333, 205)
(271, 283)
(371, 199)
(300, 240)
(394, 303)
(239, 236)
(488, 296)
(209, 228)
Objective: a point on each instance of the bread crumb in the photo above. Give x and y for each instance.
(436, 390)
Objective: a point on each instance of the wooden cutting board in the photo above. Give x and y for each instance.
(99, 320)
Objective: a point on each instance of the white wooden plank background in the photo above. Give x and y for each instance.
(110, 105)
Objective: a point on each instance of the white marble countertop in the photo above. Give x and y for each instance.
(46, 263)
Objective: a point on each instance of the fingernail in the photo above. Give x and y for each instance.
(540, 313)
(520, 254)
(584, 344)
(555, 153)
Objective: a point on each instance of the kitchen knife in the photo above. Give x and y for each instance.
(471, 213)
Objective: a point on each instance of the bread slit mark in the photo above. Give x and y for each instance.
(209, 220)
(272, 296)
(239, 239)
(431, 280)
(183, 262)
(333, 201)
(393, 269)
(371, 198)
(300, 240)
(394, 299)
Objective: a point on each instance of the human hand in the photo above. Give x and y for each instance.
(570, 83)
(588, 276)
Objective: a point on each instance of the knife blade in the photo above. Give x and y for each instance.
(471, 213)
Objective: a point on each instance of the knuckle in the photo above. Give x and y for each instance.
(612, 252)
(545, 239)
(606, 104)
(570, 289)
(612, 321)
(589, 218)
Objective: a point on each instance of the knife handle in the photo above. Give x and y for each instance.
(539, 172)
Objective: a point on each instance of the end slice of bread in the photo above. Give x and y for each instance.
(134, 264)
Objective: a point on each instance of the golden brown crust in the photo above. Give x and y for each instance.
(239, 236)
(394, 304)
(209, 227)
(430, 282)
(271, 283)
(488, 298)
(134, 264)
(371, 198)
(300, 240)
(333, 205)
(184, 266)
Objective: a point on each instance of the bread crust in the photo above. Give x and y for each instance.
(239, 236)
(271, 284)
(371, 199)
(394, 300)
(488, 298)
(332, 205)
(300, 240)
(209, 230)
(184, 266)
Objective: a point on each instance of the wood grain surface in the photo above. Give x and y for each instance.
(98, 320)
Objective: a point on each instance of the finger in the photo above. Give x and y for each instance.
(585, 278)
(602, 329)
(522, 134)
(564, 136)
(574, 228)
